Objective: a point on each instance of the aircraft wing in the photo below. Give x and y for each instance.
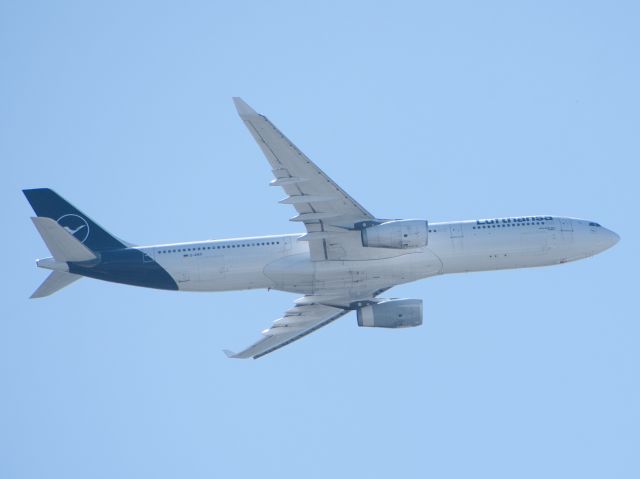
(308, 314)
(296, 323)
(326, 210)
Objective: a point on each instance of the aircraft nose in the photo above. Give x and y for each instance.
(610, 238)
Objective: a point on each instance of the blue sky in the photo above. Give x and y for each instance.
(437, 110)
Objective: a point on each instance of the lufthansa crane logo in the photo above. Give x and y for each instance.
(76, 226)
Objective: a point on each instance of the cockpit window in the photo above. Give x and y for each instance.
(594, 224)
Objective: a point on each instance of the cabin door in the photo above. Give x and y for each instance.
(455, 232)
(566, 224)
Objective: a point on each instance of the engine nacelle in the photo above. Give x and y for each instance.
(399, 234)
(393, 313)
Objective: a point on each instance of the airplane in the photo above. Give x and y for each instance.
(343, 262)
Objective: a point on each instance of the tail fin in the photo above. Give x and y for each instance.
(54, 282)
(48, 204)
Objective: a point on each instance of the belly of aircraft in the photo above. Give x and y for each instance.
(299, 274)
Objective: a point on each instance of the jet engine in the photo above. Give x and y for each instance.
(397, 234)
(392, 313)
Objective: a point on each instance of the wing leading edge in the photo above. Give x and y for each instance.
(321, 204)
(296, 323)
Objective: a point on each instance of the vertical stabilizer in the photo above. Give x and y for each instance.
(49, 204)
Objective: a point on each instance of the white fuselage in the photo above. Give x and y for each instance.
(283, 263)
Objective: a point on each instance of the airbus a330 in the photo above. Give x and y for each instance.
(343, 262)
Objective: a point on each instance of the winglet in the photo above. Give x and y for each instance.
(244, 110)
(230, 354)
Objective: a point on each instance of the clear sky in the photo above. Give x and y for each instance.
(437, 110)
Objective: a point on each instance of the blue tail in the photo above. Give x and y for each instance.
(49, 204)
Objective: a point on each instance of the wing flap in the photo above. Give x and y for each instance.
(307, 199)
(287, 181)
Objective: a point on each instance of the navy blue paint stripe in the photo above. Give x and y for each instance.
(127, 267)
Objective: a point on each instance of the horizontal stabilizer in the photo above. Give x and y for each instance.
(62, 244)
(54, 282)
